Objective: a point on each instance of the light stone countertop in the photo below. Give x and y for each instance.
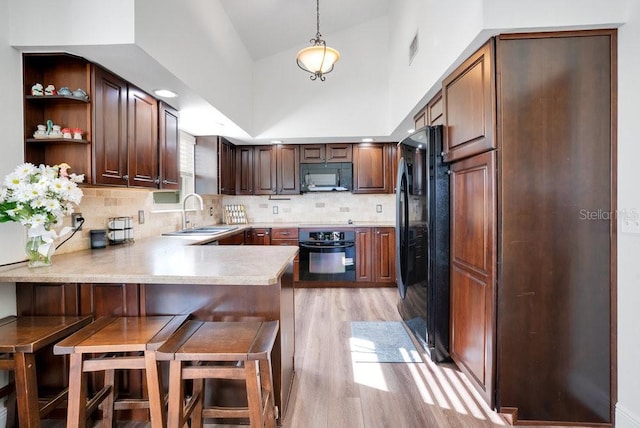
(322, 225)
(162, 260)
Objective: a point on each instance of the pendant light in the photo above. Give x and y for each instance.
(317, 59)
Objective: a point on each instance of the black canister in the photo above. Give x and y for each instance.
(98, 238)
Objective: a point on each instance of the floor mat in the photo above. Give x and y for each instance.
(382, 342)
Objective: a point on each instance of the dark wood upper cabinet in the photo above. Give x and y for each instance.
(142, 141)
(267, 170)
(110, 128)
(312, 153)
(372, 168)
(226, 167)
(420, 119)
(431, 114)
(168, 146)
(468, 97)
(435, 110)
(244, 170)
(264, 170)
(288, 169)
(126, 139)
(321, 153)
(339, 152)
(66, 111)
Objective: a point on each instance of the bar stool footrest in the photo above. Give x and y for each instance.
(98, 398)
(51, 404)
(225, 412)
(191, 403)
(131, 403)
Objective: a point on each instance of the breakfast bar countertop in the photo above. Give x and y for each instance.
(162, 260)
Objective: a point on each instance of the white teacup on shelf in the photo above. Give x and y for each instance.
(41, 132)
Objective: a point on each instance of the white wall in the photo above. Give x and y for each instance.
(443, 42)
(72, 22)
(443, 35)
(11, 234)
(351, 102)
(628, 408)
(195, 40)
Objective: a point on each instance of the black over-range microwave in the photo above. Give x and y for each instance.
(326, 177)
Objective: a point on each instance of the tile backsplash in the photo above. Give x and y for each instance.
(317, 208)
(100, 204)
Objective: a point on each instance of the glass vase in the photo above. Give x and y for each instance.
(39, 247)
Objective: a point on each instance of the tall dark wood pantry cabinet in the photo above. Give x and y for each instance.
(533, 264)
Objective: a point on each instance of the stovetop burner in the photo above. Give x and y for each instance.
(326, 236)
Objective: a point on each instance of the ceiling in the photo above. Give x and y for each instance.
(268, 27)
(265, 27)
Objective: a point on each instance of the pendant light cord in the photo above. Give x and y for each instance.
(318, 35)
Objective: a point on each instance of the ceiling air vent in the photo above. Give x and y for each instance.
(413, 48)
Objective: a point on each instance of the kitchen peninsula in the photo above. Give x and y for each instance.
(163, 276)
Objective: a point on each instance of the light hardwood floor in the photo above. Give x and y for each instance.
(331, 391)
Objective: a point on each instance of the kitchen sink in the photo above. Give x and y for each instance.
(201, 231)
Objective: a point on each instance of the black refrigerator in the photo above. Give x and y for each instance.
(422, 240)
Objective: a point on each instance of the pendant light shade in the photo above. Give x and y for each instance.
(317, 59)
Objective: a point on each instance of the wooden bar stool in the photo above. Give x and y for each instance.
(109, 344)
(20, 338)
(206, 350)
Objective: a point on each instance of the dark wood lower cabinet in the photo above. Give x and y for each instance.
(473, 263)
(258, 236)
(375, 256)
(288, 236)
(206, 302)
(364, 251)
(384, 254)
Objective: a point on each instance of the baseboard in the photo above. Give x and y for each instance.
(625, 418)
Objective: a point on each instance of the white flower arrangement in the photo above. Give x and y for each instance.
(39, 195)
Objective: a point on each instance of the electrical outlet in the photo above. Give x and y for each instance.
(210, 211)
(275, 209)
(379, 208)
(630, 225)
(140, 216)
(76, 221)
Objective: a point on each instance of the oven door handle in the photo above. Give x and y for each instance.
(326, 247)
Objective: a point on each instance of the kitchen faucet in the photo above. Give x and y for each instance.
(185, 220)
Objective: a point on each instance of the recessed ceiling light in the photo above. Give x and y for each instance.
(411, 131)
(165, 93)
(367, 140)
